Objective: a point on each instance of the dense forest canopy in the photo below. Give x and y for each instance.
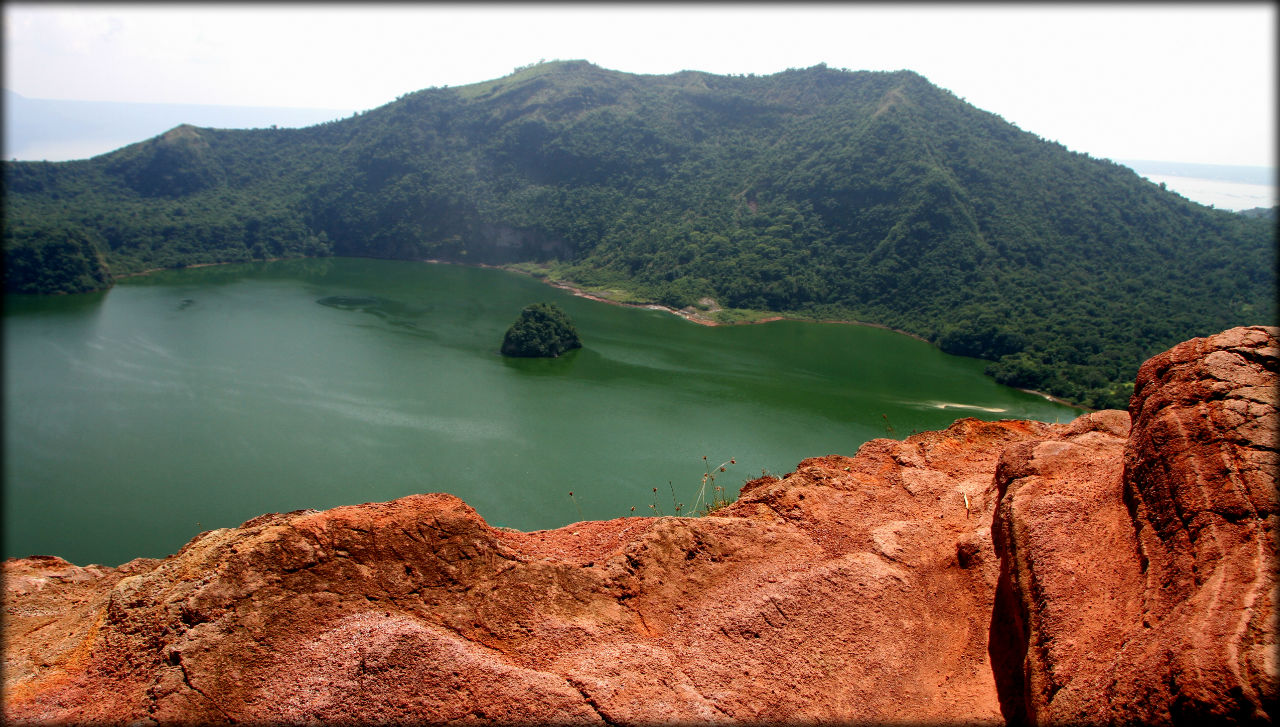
(817, 192)
(541, 331)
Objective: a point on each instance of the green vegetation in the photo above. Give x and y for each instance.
(53, 258)
(1265, 213)
(541, 331)
(817, 193)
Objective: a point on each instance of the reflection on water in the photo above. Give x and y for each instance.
(549, 366)
(215, 394)
(392, 312)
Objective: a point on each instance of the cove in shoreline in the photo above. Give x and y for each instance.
(689, 314)
(694, 316)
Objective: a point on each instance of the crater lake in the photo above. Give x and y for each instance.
(195, 399)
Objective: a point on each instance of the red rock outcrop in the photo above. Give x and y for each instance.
(1140, 587)
(993, 571)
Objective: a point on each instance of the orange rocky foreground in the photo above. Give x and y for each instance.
(1008, 571)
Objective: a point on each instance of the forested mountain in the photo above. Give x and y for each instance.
(818, 192)
(1266, 213)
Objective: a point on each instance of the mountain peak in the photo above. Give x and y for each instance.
(816, 192)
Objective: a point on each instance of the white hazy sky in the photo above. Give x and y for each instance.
(1177, 82)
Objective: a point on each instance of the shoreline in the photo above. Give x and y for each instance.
(1056, 400)
(688, 315)
(694, 317)
(572, 289)
(208, 265)
(149, 271)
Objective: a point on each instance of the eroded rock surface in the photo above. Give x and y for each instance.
(1138, 578)
(1005, 570)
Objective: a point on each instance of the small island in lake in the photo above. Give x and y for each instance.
(541, 331)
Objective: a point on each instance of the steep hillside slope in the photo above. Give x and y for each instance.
(1084, 573)
(823, 193)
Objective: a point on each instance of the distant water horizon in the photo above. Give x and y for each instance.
(1233, 196)
(56, 130)
(1224, 186)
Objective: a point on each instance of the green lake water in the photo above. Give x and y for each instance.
(189, 400)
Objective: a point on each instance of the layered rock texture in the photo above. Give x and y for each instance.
(1105, 570)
